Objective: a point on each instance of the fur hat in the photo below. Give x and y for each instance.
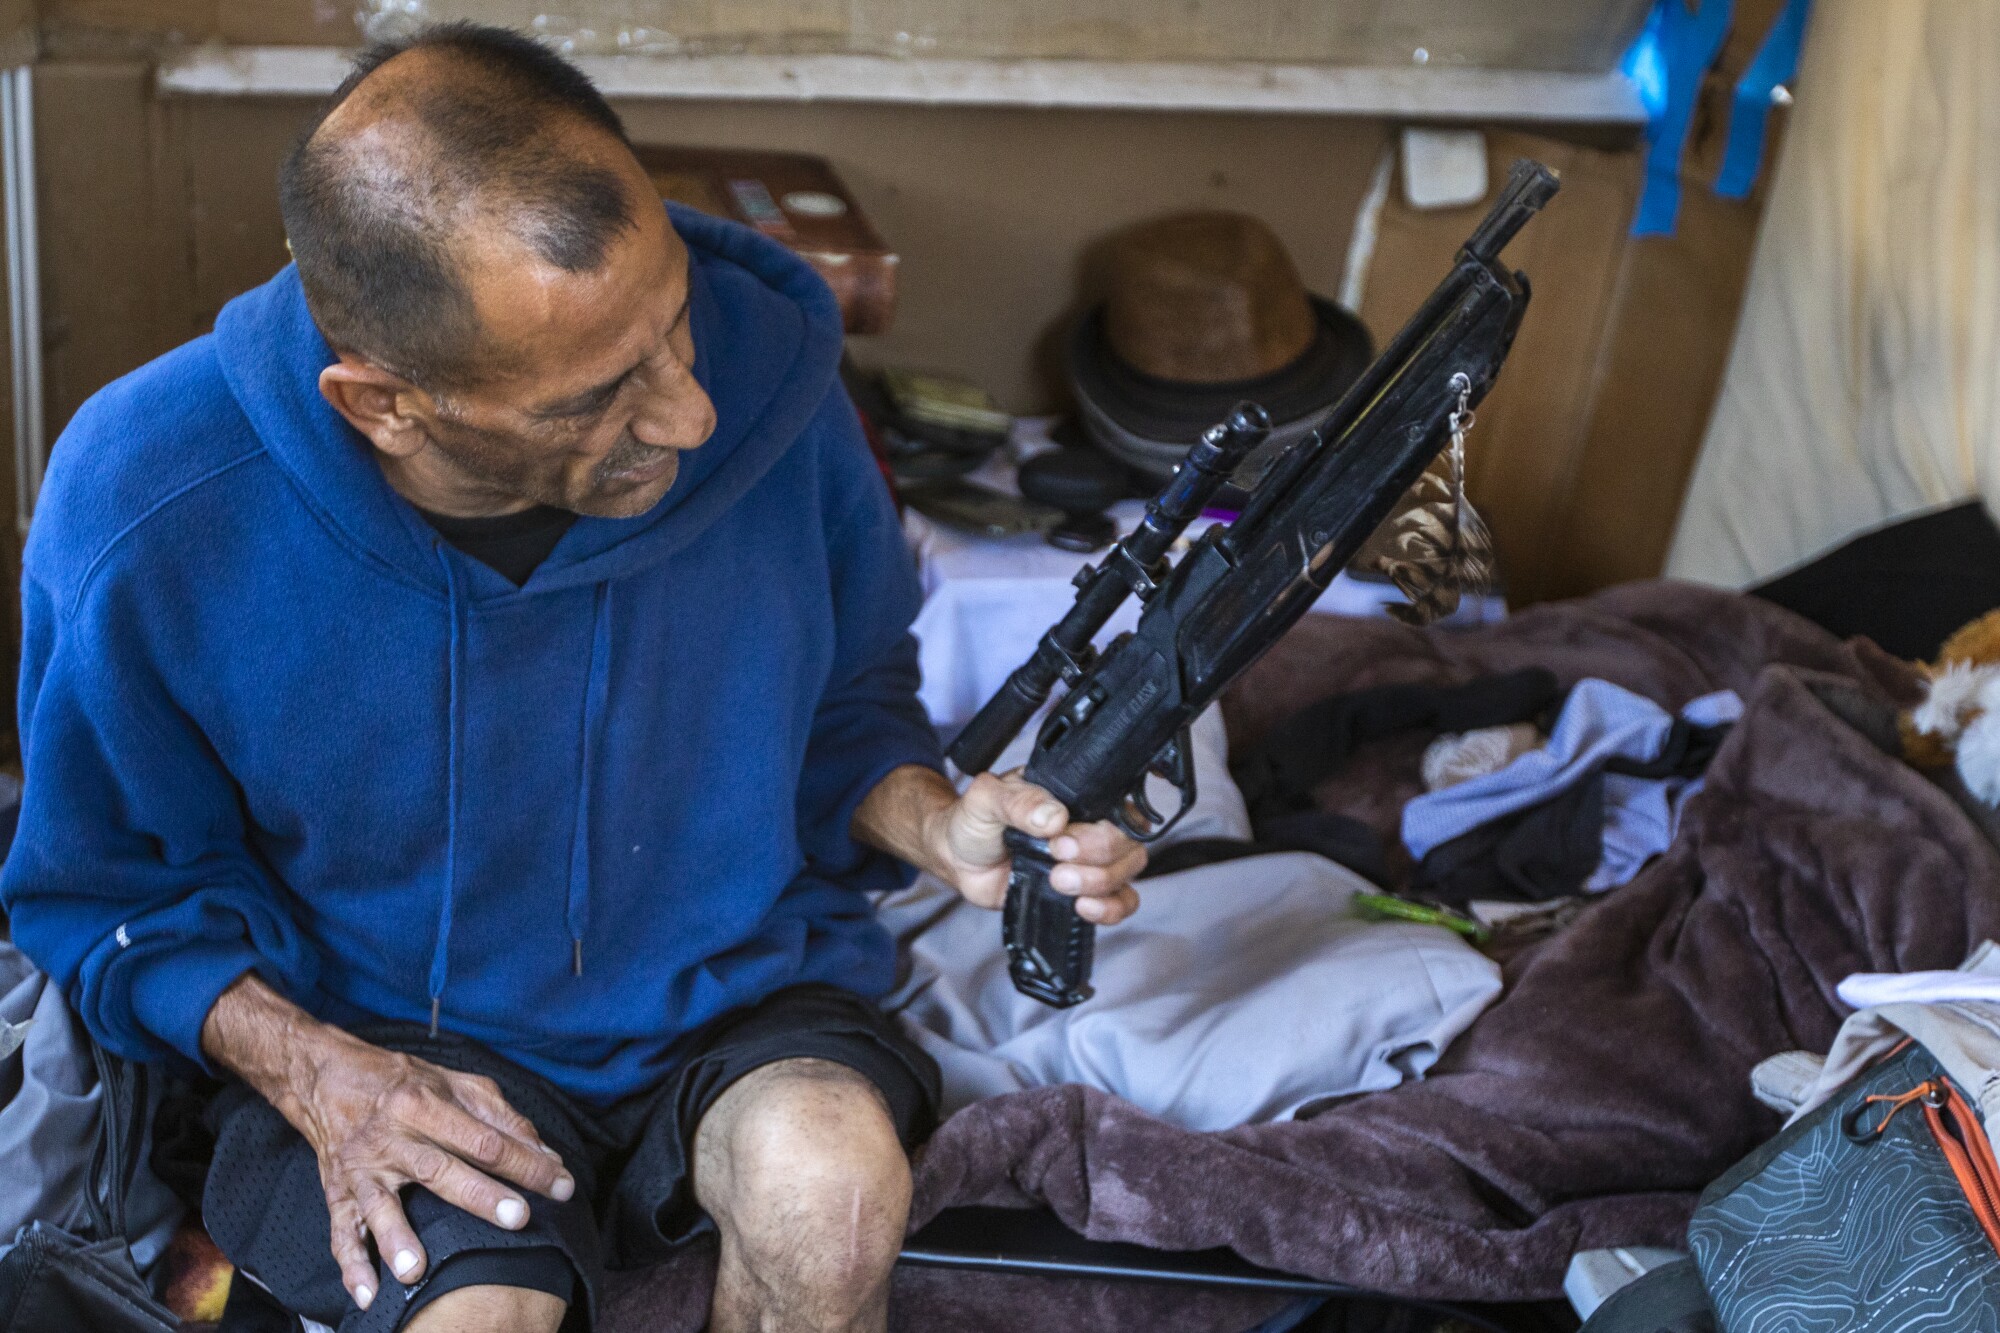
(1958, 722)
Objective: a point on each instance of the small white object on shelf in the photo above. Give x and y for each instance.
(1443, 168)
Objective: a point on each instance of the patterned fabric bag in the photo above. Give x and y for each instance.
(1878, 1210)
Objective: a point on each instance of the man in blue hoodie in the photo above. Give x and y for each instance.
(467, 700)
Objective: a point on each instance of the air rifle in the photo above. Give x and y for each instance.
(1125, 718)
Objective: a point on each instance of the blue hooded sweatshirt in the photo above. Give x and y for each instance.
(272, 722)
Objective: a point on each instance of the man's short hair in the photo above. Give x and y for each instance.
(376, 244)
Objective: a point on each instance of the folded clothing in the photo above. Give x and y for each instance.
(1279, 776)
(1954, 1014)
(1641, 763)
(1241, 992)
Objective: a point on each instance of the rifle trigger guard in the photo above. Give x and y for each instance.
(1175, 763)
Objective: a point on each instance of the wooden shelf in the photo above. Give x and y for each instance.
(1426, 92)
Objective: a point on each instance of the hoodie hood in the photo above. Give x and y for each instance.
(767, 337)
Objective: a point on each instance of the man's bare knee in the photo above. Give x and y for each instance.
(801, 1168)
(491, 1310)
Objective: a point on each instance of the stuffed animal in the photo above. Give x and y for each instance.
(1958, 722)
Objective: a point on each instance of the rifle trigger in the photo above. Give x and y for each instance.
(1123, 818)
(1139, 798)
(1175, 763)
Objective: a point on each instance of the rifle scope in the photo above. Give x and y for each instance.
(1132, 566)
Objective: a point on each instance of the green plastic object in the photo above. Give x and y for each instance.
(1383, 907)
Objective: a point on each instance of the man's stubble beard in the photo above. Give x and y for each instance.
(609, 502)
(494, 465)
(630, 453)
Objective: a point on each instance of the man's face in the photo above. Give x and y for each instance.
(588, 393)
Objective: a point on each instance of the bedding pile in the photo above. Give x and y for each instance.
(1609, 1082)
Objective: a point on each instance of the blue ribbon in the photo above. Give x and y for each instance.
(1682, 39)
(1777, 62)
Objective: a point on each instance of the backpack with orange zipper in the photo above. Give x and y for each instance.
(1879, 1210)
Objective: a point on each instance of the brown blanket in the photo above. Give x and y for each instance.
(1609, 1083)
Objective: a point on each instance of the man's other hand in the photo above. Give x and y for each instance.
(914, 813)
(1095, 863)
(379, 1120)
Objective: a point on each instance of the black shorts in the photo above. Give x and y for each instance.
(634, 1200)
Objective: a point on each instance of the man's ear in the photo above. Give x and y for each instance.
(377, 403)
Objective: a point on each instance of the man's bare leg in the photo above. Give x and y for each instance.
(799, 1165)
(490, 1310)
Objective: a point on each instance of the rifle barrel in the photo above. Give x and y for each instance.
(1529, 186)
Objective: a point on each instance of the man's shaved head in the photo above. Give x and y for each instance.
(508, 302)
(433, 150)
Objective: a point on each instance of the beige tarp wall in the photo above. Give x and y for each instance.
(1865, 376)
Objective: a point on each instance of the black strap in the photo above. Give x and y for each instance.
(1685, 753)
(54, 1280)
(51, 1280)
(121, 1100)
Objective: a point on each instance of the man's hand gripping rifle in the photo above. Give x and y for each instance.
(1126, 716)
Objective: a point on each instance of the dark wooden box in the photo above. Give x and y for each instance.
(797, 200)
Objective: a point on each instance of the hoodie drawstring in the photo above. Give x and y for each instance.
(455, 707)
(597, 690)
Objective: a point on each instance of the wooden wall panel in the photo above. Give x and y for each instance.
(993, 211)
(1583, 35)
(236, 239)
(1574, 35)
(117, 280)
(19, 31)
(1584, 455)
(996, 211)
(1532, 429)
(154, 213)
